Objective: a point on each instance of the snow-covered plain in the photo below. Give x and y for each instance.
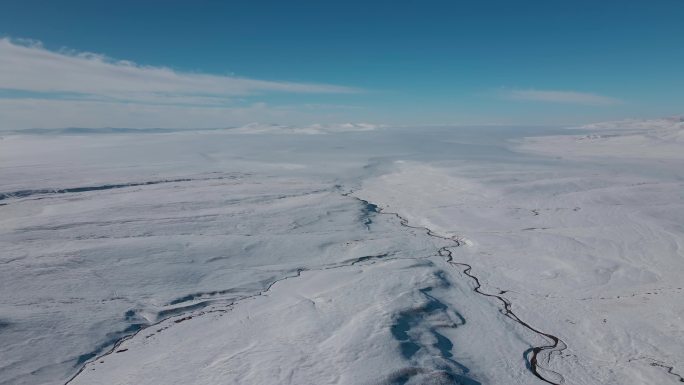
(652, 139)
(204, 257)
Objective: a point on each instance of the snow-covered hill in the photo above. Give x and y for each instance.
(393, 256)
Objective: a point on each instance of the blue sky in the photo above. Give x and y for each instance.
(223, 63)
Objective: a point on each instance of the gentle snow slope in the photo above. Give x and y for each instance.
(205, 257)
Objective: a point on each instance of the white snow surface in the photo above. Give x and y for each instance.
(652, 139)
(204, 257)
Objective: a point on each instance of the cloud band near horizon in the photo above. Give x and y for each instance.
(555, 96)
(26, 66)
(42, 88)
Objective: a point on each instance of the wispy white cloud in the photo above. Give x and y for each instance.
(29, 67)
(40, 88)
(311, 129)
(554, 96)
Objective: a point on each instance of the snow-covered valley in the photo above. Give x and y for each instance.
(332, 256)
